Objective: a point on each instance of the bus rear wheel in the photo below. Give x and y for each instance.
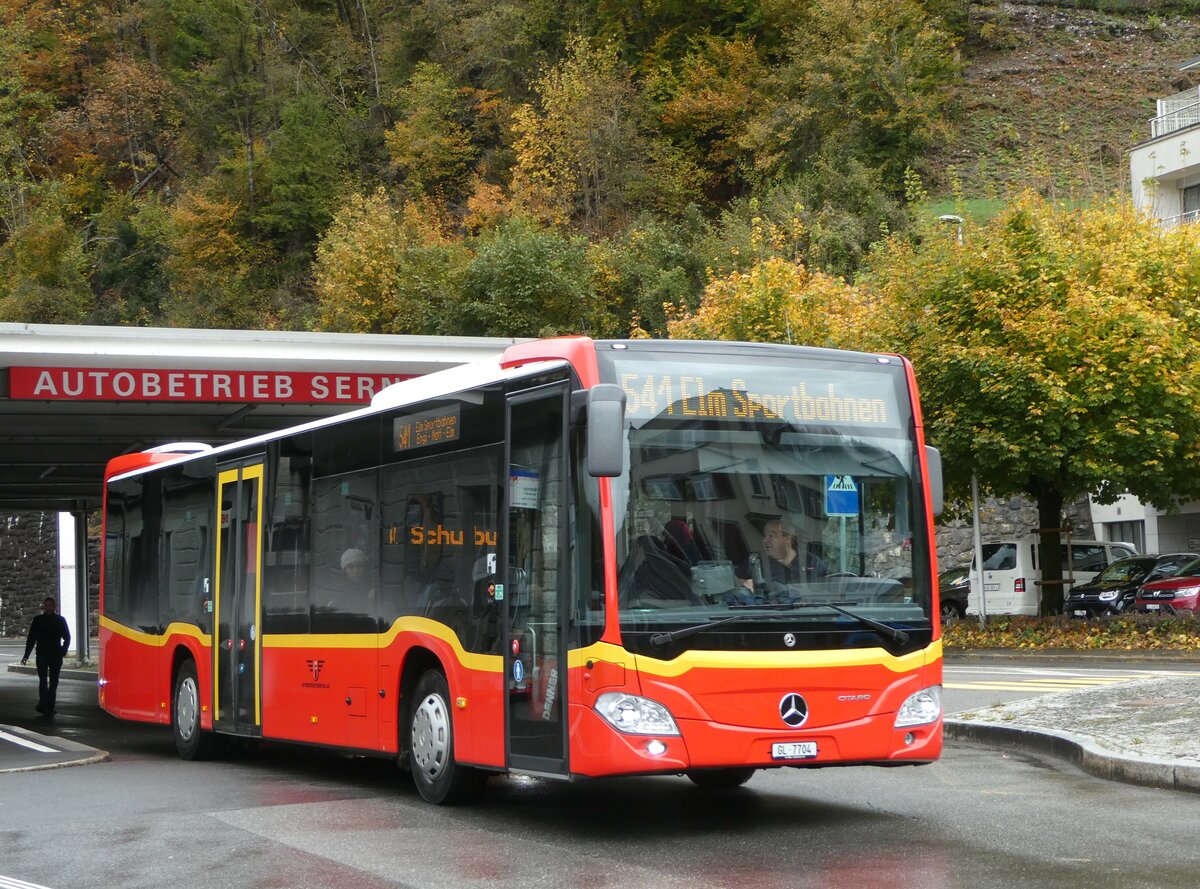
(719, 778)
(190, 740)
(439, 779)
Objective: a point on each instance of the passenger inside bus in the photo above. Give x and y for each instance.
(359, 593)
(661, 574)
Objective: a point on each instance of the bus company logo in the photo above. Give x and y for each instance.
(315, 666)
(794, 709)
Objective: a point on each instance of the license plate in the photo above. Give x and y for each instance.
(1152, 606)
(1080, 613)
(794, 750)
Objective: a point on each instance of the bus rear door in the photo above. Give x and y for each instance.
(237, 657)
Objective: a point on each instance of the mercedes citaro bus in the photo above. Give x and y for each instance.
(587, 558)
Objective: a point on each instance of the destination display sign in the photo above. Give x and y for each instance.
(426, 428)
(801, 396)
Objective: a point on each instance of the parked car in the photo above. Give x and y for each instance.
(954, 586)
(1115, 588)
(1172, 594)
(1011, 571)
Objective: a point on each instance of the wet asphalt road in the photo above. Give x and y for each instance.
(284, 817)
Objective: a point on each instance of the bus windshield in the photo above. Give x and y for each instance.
(768, 483)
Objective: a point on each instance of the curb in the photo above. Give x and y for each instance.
(1081, 751)
(65, 673)
(85, 755)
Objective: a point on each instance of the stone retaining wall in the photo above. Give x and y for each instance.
(29, 570)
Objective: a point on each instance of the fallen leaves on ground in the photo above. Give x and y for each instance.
(1141, 632)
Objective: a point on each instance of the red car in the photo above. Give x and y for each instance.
(1171, 594)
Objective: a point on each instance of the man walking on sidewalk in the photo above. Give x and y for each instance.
(49, 632)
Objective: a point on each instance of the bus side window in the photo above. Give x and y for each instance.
(345, 523)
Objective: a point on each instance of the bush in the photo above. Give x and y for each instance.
(1137, 632)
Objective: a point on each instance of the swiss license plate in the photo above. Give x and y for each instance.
(1153, 606)
(794, 750)
(1080, 613)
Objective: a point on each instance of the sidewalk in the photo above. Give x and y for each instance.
(1141, 731)
(26, 750)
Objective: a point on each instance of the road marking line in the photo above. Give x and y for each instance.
(1010, 686)
(11, 883)
(32, 745)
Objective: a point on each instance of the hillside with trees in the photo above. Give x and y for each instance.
(522, 166)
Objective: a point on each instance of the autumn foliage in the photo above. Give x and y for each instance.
(1124, 633)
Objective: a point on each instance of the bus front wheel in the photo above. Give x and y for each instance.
(190, 740)
(439, 779)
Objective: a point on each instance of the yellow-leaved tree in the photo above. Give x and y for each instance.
(778, 300)
(1056, 354)
(387, 268)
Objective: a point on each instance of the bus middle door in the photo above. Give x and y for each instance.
(237, 655)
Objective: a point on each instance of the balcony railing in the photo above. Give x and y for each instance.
(1176, 112)
(1172, 221)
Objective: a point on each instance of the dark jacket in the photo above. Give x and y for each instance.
(49, 632)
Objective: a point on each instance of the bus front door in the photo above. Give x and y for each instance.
(536, 582)
(237, 654)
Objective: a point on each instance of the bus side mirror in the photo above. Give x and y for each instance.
(933, 460)
(605, 430)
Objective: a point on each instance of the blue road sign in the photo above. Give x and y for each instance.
(841, 495)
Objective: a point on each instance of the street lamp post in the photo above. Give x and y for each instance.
(977, 539)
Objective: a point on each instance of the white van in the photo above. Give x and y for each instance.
(1011, 572)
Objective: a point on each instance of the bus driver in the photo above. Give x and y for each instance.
(788, 557)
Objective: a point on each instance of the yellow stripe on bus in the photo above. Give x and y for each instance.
(484, 662)
(692, 660)
(154, 639)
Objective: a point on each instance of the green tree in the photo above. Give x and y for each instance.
(874, 78)
(652, 265)
(1056, 354)
(430, 144)
(529, 281)
(129, 275)
(304, 173)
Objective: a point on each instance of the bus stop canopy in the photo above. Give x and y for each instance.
(74, 396)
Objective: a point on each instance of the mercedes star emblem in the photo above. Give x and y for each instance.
(793, 709)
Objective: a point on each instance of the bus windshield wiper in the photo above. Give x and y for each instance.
(660, 639)
(881, 628)
(897, 635)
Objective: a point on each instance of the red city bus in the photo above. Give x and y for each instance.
(589, 558)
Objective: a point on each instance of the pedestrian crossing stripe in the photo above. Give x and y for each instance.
(25, 742)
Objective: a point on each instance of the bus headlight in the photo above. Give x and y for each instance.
(635, 715)
(922, 707)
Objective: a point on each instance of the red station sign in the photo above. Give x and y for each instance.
(150, 384)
